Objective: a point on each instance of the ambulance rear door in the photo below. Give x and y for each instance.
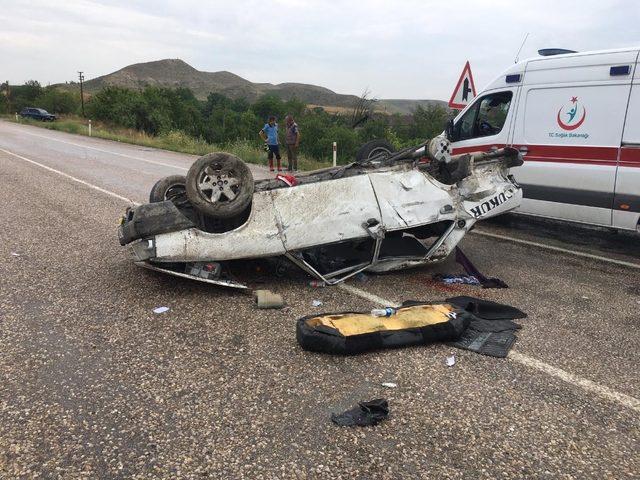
(569, 128)
(626, 202)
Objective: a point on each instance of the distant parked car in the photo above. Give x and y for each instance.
(37, 114)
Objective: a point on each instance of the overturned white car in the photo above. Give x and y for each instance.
(387, 211)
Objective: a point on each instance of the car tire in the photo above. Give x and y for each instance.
(373, 148)
(220, 185)
(168, 188)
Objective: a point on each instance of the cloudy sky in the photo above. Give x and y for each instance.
(397, 49)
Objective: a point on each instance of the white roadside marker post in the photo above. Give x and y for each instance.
(89, 127)
(16, 116)
(335, 153)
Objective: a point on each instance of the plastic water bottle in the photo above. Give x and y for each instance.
(383, 312)
(317, 284)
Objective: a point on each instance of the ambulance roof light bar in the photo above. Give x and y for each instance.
(548, 52)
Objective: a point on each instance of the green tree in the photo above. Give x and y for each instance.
(429, 121)
(295, 107)
(155, 116)
(185, 110)
(25, 95)
(57, 101)
(269, 105)
(31, 89)
(4, 97)
(373, 128)
(240, 105)
(116, 105)
(216, 101)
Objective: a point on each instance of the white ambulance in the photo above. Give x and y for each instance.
(575, 117)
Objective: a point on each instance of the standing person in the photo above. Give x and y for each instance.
(292, 139)
(269, 134)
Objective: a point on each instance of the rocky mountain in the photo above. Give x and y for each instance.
(177, 73)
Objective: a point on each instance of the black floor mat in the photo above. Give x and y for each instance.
(494, 344)
(486, 308)
(492, 330)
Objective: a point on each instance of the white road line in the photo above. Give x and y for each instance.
(70, 177)
(367, 296)
(556, 249)
(587, 385)
(626, 400)
(106, 151)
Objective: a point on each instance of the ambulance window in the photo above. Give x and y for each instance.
(486, 117)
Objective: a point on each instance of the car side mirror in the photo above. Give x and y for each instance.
(449, 131)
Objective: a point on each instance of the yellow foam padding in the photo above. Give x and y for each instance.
(409, 317)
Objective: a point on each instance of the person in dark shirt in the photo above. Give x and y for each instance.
(292, 139)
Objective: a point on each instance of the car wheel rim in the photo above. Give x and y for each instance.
(378, 151)
(174, 191)
(218, 185)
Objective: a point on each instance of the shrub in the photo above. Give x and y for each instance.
(57, 101)
(117, 105)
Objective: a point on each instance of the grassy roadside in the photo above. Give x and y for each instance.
(175, 141)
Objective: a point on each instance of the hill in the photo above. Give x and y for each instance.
(406, 106)
(177, 73)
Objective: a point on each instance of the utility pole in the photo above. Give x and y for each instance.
(81, 77)
(8, 98)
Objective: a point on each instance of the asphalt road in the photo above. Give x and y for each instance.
(95, 385)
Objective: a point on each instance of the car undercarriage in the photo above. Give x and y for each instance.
(386, 212)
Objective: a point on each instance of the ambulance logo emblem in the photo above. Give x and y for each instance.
(572, 115)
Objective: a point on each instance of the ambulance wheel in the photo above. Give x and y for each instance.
(168, 188)
(220, 185)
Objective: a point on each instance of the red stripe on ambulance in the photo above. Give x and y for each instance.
(608, 156)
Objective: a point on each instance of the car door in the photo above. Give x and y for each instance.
(326, 212)
(485, 124)
(407, 198)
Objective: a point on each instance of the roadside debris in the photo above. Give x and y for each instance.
(469, 323)
(316, 303)
(389, 384)
(362, 277)
(450, 360)
(349, 333)
(364, 415)
(207, 270)
(15, 254)
(491, 331)
(456, 279)
(486, 308)
(383, 312)
(288, 180)
(160, 309)
(471, 269)
(268, 299)
(317, 284)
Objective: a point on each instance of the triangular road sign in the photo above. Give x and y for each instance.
(465, 90)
